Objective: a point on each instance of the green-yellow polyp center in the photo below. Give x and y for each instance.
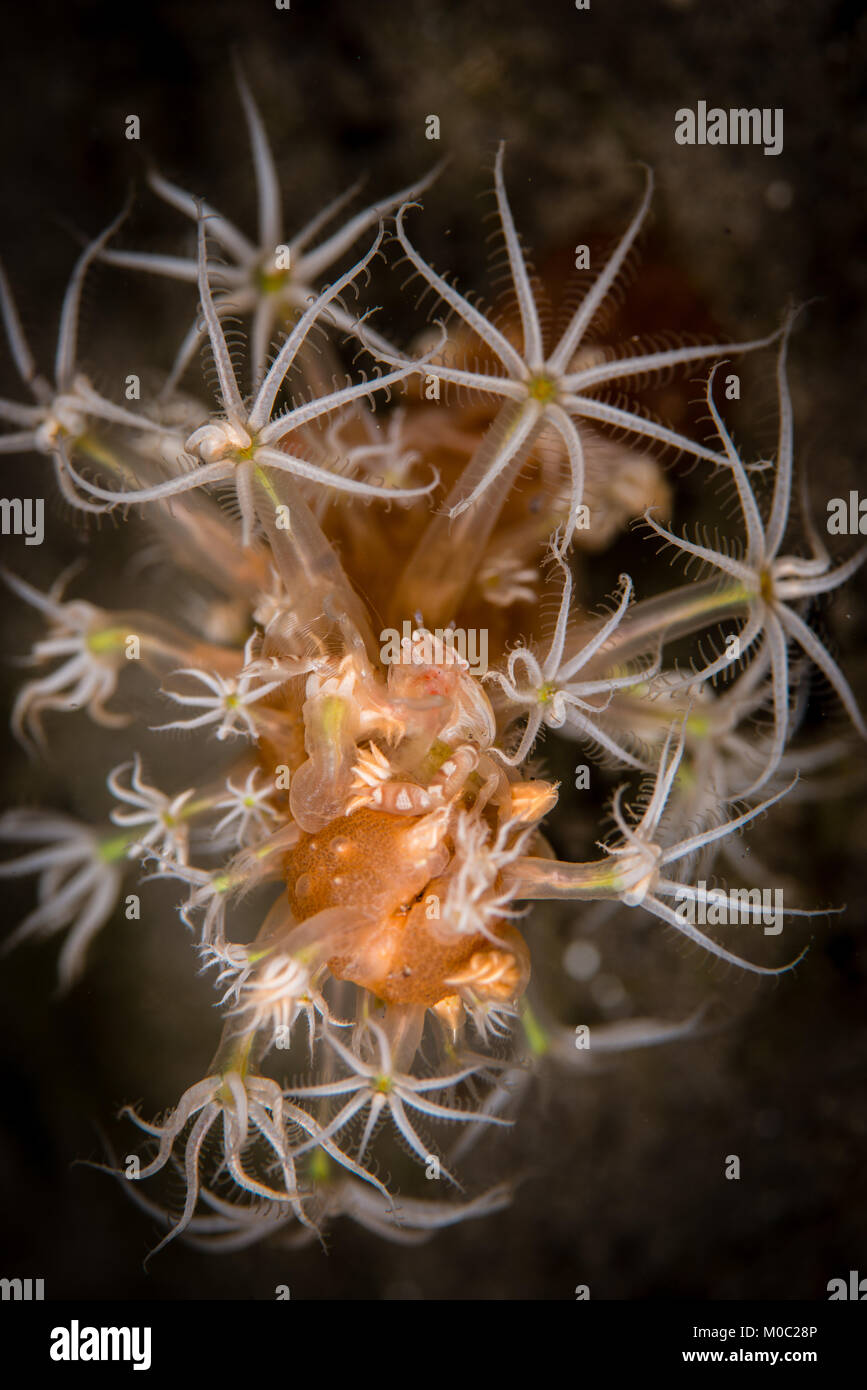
(272, 281)
(113, 849)
(546, 693)
(110, 639)
(766, 586)
(383, 1084)
(543, 389)
(320, 1167)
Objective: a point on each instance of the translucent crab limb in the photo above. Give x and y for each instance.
(320, 787)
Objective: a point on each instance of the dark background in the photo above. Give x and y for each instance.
(624, 1188)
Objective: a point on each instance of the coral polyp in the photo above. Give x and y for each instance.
(363, 657)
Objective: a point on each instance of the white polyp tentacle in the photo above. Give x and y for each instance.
(638, 872)
(217, 441)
